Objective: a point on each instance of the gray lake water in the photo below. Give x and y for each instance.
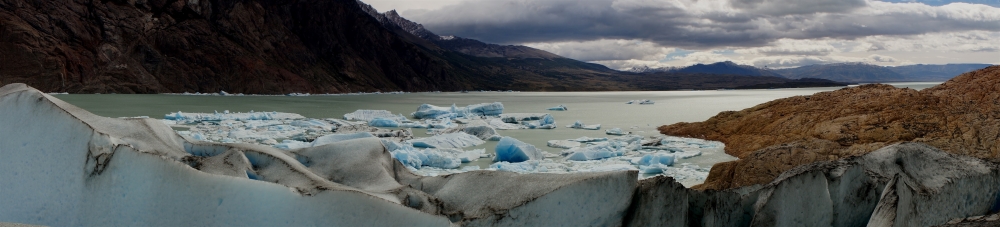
(605, 108)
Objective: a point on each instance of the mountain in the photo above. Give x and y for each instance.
(252, 46)
(275, 47)
(923, 72)
(844, 72)
(463, 45)
(726, 67)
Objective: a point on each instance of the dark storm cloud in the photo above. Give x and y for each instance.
(698, 24)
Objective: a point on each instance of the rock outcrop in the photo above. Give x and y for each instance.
(961, 116)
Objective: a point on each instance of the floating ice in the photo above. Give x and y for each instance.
(559, 108)
(501, 125)
(383, 122)
(515, 118)
(513, 150)
(547, 122)
(655, 163)
(428, 111)
(479, 129)
(518, 167)
(564, 144)
(451, 140)
(369, 115)
(580, 125)
(599, 151)
(646, 102)
(427, 157)
(225, 115)
(616, 131)
(332, 138)
(588, 139)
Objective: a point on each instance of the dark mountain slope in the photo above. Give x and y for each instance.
(252, 46)
(923, 72)
(844, 72)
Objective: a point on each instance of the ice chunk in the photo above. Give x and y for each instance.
(547, 122)
(479, 129)
(646, 102)
(292, 145)
(655, 163)
(225, 115)
(588, 139)
(513, 150)
(469, 156)
(559, 108)
(613, 148)
(501, 125)
(519, 167)
(580, 125)
(428, 111)
(451, 140)
(383, 122)
(515, 118)
(616, 131)
(369, 115)
(339, 137)
(565, 144)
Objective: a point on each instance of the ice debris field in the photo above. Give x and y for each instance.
(64, 166)
(435, 140)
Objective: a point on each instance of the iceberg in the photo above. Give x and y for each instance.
(479, 129)
(529, 166)
(646, 102)
(515, 118)
(428, 111)
(369, 115)
(580, 125)
(547, 122)
(501, 125)
(655, 163)
(564, 144)
(616, 132)
(332, 138)
(559, 108)
(384, 122)
(451, 140)
(585, 139)
(513, 150)
(226, 115)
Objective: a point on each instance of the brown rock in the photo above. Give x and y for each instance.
(961, 116)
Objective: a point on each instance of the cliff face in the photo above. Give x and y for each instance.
(254, 46)
(961, 116)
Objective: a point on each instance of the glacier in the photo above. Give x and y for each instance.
(65, 166)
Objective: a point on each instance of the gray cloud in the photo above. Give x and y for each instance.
(698, 24)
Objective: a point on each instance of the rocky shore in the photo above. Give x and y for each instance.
(961, 116)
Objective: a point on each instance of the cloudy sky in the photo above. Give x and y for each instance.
(773, 33)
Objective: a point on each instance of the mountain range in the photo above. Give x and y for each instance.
(852, 72)
(275, 47)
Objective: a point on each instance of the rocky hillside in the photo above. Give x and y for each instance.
(961, 116)
(239, 46)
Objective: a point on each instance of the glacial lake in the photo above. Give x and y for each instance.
(606, 108)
